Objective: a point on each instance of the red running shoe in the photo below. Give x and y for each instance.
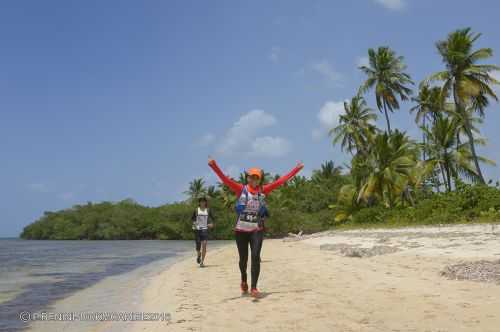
(244, 287)
(255, 292)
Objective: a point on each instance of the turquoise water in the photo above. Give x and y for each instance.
(34, 274)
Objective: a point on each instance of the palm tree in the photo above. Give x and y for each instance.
(468, 117)
(390, 164)
(422, 175)
(328, 170)
(227, 196)
(359, 170)
(347, 203)
(196, 189)
(242, 178)
(386, 75)
(212, 191)
(297, 182)
(266, 178)
(467, 81)
(355, 126)
(429, 103)
(441, 141)
(451, 157)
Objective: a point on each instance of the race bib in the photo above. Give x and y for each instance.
(249, 217)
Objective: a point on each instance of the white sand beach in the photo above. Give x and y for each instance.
(306, 288)
(318, 283)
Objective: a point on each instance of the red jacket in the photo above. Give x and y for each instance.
(237, 187)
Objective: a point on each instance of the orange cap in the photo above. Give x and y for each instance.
(255, 171)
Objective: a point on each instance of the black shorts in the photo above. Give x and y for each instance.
(201, 234)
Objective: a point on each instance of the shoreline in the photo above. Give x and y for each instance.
(116, 293)
(308, 284)
(350, 280)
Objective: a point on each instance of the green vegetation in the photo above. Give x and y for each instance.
(468, 203)
(392, 179)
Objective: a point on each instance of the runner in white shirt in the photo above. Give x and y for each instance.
(202, 219)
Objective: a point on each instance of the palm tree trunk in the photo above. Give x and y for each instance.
(448, 176)
(408, 196)
(474, 154)
(446, 167)
(468, 131)
(390, 197)
(423, 138)
(444, 177)
(387, 119)
(435, 179)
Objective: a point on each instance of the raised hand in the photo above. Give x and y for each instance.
(300, 164)
(210, 160)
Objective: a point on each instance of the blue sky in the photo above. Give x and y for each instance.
(105, 100)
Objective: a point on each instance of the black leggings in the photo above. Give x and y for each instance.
(254, 239)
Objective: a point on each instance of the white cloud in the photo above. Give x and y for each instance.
(272, 147)
(325, 69)
(362, 61)
(328, 117)
(244, 129)
(274, 56)
(329, 114)
(496, 88)
(392, 4)
(206, 140)
(242, 138)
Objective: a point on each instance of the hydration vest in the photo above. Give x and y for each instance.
(250, 209)
(201, 221)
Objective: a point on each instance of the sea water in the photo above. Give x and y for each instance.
(35, 274)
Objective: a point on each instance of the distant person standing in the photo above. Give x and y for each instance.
(202, 219)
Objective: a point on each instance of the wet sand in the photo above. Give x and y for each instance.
(121, 293)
